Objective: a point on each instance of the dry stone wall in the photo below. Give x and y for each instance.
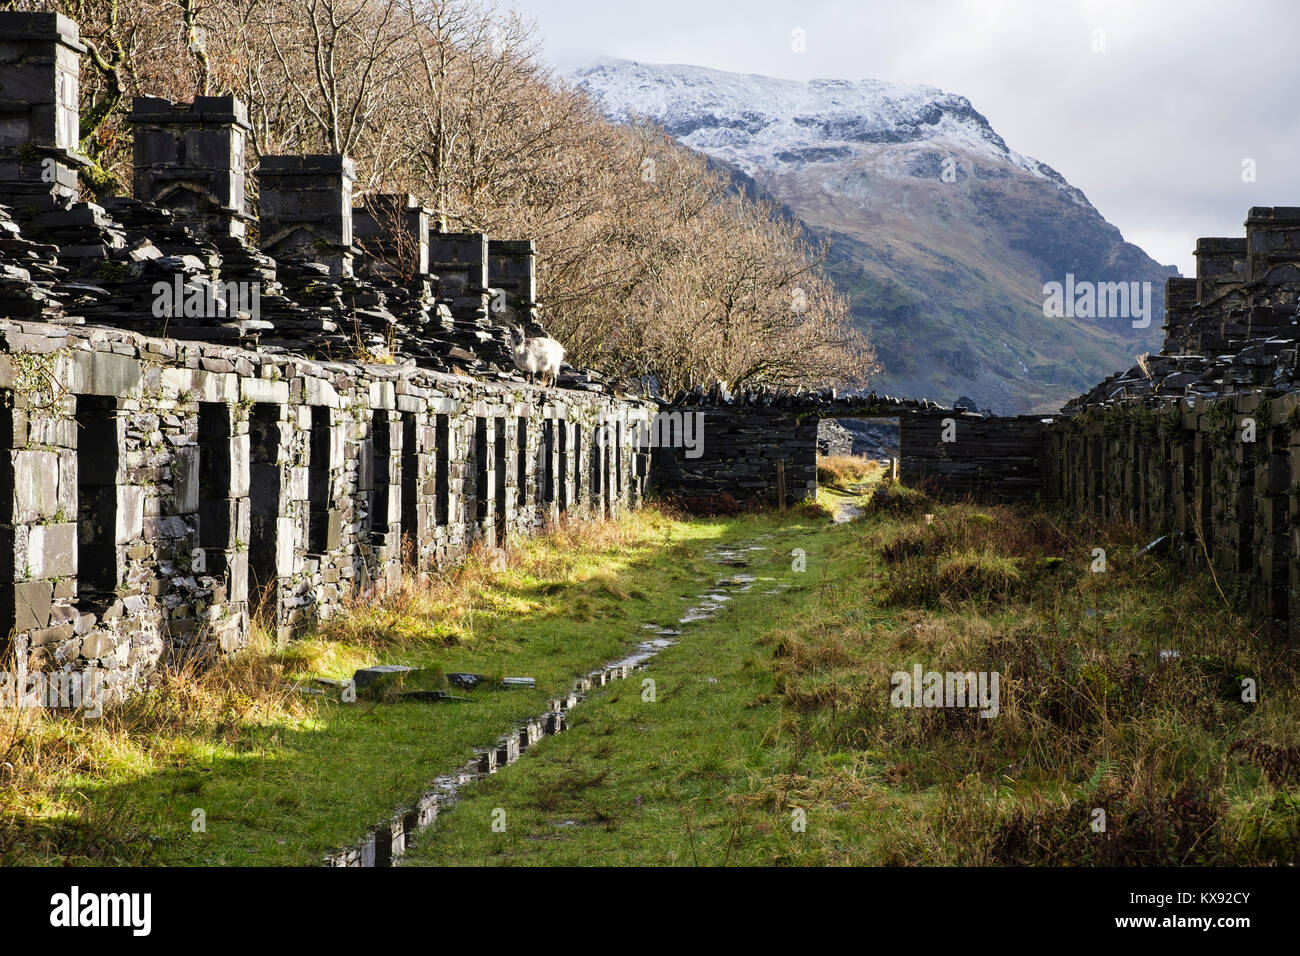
(744, 451)
(1216, 475)
(959, 455)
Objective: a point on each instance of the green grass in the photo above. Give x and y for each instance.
(771, 740)
(768, 738)
(283, 779)
(641, 780)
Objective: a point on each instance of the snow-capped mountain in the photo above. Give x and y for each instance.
(761, 122)
(941, 234)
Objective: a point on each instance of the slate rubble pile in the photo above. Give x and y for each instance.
(29, 274)
(319, 293)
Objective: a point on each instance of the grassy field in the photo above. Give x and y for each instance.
(771, 739)
(767, 734)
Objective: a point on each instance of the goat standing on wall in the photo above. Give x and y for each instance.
(537, 356)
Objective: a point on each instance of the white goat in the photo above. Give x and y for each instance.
(539, 356)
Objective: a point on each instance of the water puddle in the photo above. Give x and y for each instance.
(847, 512)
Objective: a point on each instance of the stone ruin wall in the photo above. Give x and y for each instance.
(746, 437)
(216, 479)
(1179, 466)
(163, 479)
(964, 456)
(740, 447)
(1201, 442)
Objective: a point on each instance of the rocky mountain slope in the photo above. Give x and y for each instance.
(941, 234)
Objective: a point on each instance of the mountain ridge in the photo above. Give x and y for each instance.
(940, 232)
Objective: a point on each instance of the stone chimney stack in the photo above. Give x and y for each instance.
(460, 260)
(306, 209)
(396, 228)
(40, 59)
(512, 268)
(1180, 297)
(1220, 263)
(1273, 245)
(189, 157)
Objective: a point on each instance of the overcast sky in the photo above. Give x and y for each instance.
(1154, 128)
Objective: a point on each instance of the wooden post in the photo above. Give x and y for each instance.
(780, 484)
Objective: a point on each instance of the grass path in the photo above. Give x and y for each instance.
(664, 768)
(770, 738)
(644, 773)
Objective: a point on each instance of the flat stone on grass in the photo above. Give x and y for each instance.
(379, 674)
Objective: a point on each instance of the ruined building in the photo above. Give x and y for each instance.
(196, 426)
(1202, 442)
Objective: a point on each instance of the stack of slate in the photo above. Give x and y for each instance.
(28, 274)
(135, 265)
(83, 231)
(311, 319)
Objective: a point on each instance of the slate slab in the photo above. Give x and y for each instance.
(372, 676)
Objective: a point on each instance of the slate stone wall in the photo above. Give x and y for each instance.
(1199, 445)
(741, 449)
(1185, 469)
(154, 492)
(959, 455)
(950, 453)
